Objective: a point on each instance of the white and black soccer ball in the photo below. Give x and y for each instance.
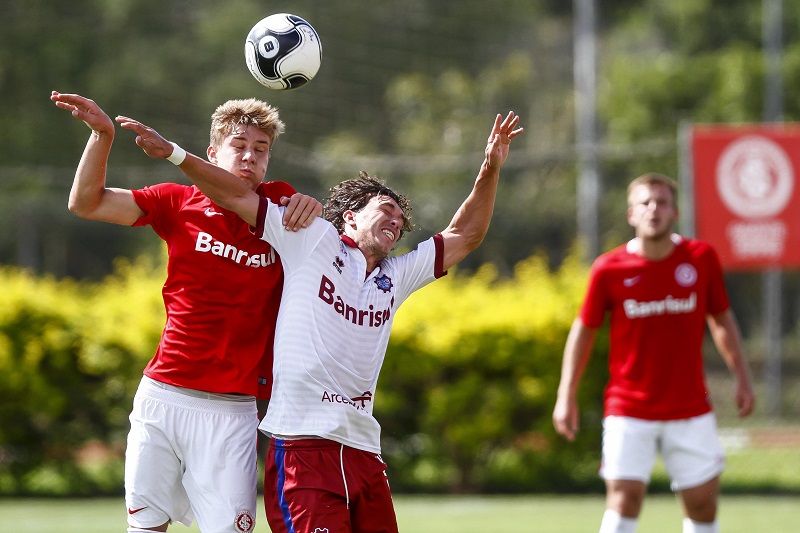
(283, 51)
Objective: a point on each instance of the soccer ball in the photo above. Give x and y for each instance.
(283, 51)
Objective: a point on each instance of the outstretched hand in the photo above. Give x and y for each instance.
(148, 139)
(500, 139)
(86, 110)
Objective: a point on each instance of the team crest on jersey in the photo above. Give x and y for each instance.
(384, 282)
(685, 275)
(244, 522)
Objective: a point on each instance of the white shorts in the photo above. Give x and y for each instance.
(191, 454)
(690, 449)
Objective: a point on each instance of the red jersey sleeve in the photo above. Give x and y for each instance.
(158, 203)
(717, 294)
(595, 303)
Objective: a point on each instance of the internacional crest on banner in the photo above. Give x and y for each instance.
(746, 197)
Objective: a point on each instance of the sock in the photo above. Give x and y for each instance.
(690, 526)
(613, 522)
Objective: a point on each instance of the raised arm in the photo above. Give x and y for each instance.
(222, 187)
(89, 197)
(725, 332)
(471, 222)
(577, 351)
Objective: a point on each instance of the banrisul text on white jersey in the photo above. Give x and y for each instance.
(667, 306)
(360, 317)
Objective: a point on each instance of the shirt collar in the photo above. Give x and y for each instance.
(348, 241)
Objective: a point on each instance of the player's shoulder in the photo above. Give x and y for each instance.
(166, 190)
(613, 257)
(170, 187)
(693, 247)
(274, 190)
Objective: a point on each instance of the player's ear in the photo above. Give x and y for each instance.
(211, 153)
(349, 217)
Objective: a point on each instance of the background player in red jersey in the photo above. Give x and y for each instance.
(659, 290)
(192, 445)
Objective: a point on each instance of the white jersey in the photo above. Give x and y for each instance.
(333, 329)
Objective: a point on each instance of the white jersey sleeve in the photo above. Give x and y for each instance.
(294, 247)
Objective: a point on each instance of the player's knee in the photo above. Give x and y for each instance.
(626, 497)
(700, 503)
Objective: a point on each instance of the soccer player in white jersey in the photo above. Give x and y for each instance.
(341, 292)
(192, 445)
(660, 290)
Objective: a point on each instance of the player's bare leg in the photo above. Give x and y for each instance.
(700, 504)
(625, 496)
(624, 499)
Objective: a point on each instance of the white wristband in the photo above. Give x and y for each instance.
(177, 156)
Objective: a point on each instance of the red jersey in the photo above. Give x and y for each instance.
(657, 323)
(221, 295)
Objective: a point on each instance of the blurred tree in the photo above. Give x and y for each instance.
(406, 91)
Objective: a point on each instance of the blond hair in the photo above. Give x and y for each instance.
(653, 178)
(249, 112)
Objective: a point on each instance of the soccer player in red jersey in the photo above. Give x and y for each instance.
(192, 446)
(324, 471)
(659, 290)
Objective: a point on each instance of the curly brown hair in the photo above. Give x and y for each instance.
(354, 194)
(248, 112)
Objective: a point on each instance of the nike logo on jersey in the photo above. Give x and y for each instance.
(134, 511)
(210, 212)
(630, 282)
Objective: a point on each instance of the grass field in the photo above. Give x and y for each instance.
(440, 514)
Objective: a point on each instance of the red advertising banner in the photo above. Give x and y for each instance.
(746, 193)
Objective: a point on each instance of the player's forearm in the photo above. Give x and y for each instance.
(728, 340)
(472, 219)
(577, 351)
(731, 351)
(222, 187)
(89, 183)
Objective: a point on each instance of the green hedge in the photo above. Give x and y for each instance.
(468, 387)
(465, 396)
(71, 356)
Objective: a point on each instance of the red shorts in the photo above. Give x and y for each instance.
(314, 485)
